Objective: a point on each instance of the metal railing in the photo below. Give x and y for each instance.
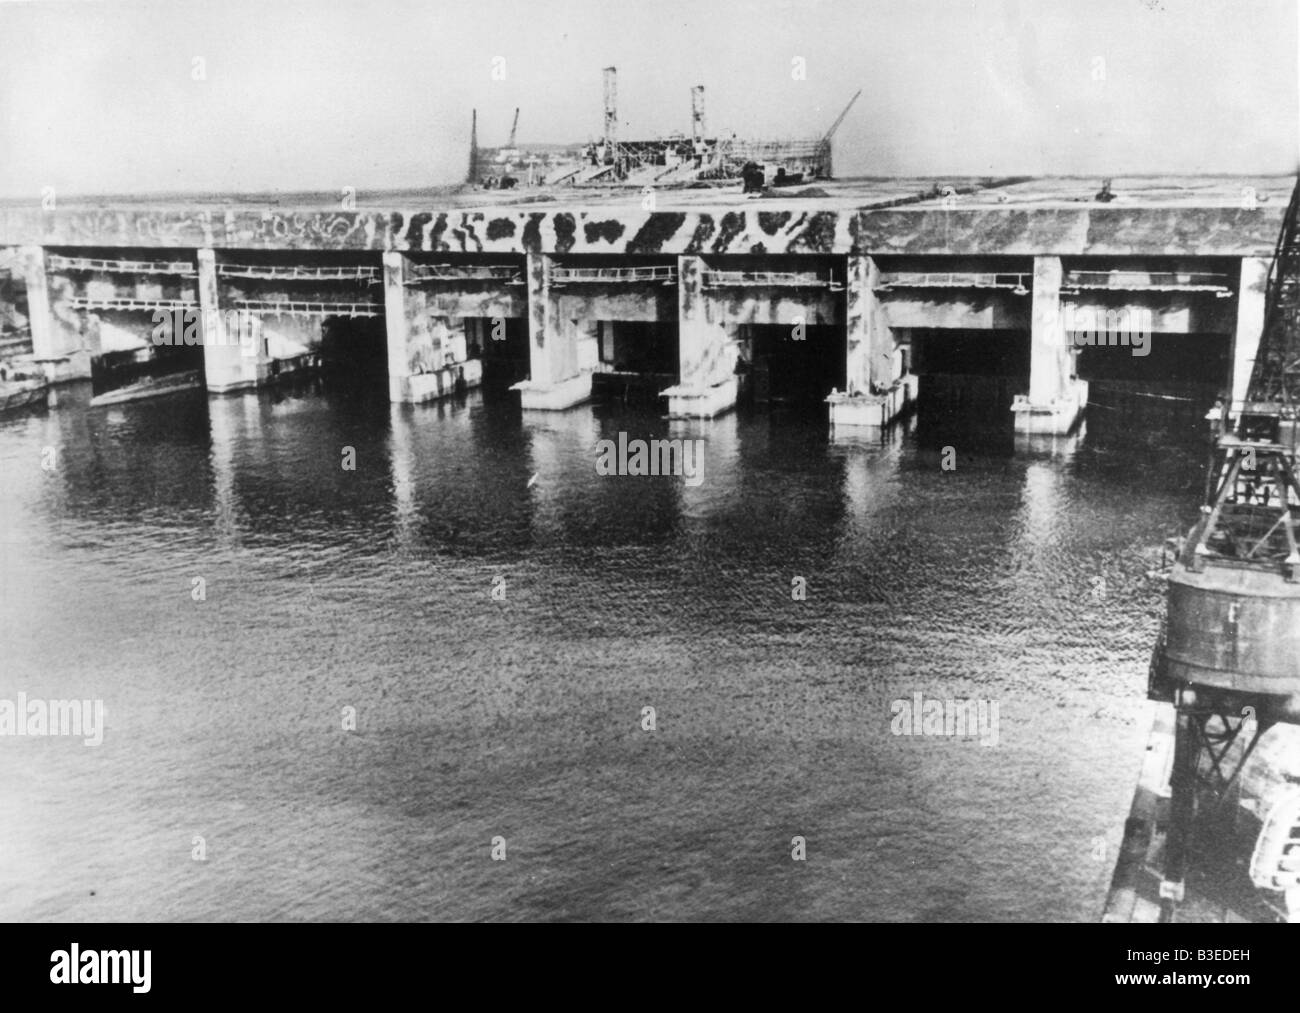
(1020, 283)
(297, 273)
(1148, 281)
(302, 308)
(58, 263)
(666, 275)
(450, 272)
(87, 303)
(785, 279)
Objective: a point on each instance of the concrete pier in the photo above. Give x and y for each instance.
(1056, 395)
(558, 353)
(878, 388)
(839, 288)
(231, 361)
(1251, 302)
(56, 343)
(707, 354)
(432, 313)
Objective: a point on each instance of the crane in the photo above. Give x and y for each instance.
(824, 145)
(508, 155)
(1228, 658)
(840, 119)
(514, 128)
(472, 176)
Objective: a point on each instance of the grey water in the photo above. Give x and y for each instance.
(209, 569)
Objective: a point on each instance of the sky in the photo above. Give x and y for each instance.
(247, 95)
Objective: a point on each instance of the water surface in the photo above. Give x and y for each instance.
(1017, 577)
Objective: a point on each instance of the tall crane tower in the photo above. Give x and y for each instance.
(611, 109)
(1229, 654)
(472, 176)
(514, 129)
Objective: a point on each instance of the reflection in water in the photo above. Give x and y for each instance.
(372, 588)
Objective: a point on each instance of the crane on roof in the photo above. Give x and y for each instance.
(824, 169)
(826, 138)
(509, 153)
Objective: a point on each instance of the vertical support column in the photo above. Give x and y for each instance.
(54, 344)
(876, 360)
(1056, 397)
(555, 381)
(706, 358)
(422, 327)
(859, 295)
(1049, 362)
(1251, 298)
(45, 341)
(397, 326)
(876, 389)
(230, 362)
(542, 335)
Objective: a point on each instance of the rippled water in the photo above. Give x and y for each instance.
(1018, 577)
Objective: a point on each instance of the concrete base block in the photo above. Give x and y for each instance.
(1056, 418)
(65, 368)
(702, 402)
(246, 373)
(421, 387)
(554, 397)
(233, 372)
(873, 410)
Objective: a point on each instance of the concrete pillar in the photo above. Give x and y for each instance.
(54, 344)
(860, 317)
(706, 356)
(555, 379)
(872, 358)
(422, 328)
(45, 336)
(1251, 296)
(541, 321)
(229, 363)
(397, 326)
(1056, 398)
(1050, 355)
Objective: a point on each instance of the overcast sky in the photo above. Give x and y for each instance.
(323, 94)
